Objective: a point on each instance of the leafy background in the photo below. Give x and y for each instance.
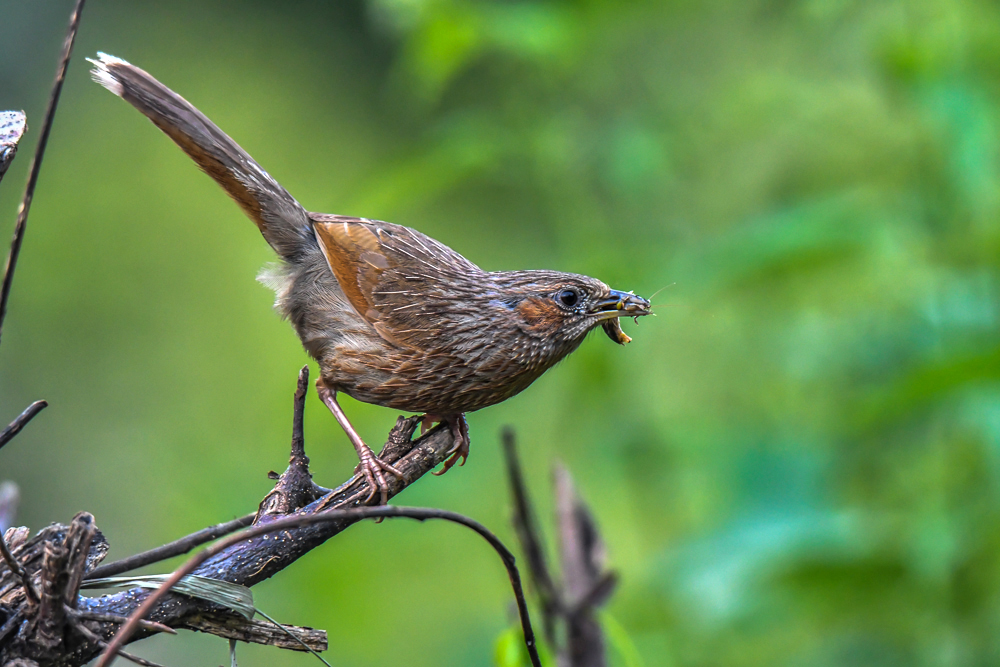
(796, 463)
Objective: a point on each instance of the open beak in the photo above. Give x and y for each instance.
(615, 305)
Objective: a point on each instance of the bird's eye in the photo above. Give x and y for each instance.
(569, 297)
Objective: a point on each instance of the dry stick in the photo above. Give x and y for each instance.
(94, 637)
(20, 421)
(15, 567)
(392, 511)
(36, 161)
(116, 619)
(549, 594)
(170, 549)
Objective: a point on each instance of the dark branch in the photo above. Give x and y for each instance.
(111, 618)
(20, 421)
(36, 161)
(328, 516)
(272, 544)
(549, 595)
(18, 571)
(171, 549)
(236, 627)
(586, 584)
(97, 639)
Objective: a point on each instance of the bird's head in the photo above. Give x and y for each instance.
(557, 310)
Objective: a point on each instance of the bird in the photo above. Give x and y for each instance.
(392, 316)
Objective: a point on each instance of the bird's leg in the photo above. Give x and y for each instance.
(371, 466)
(460, 433)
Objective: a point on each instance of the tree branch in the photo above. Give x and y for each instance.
(21, 421)
(325, 517)
(259, 632)
(170, 549)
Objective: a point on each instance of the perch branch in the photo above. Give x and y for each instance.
(248, 562)
(291, 521)
(283, 524)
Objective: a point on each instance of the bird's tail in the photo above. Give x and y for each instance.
(282, 220)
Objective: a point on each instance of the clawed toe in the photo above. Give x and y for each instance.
(373, 468)
(459, 450)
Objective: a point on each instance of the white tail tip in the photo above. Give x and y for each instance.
(102, 75)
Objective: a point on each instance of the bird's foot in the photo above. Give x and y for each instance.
(459, 450)
(372, 468)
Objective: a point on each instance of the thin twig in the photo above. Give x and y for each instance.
(298, 416)
(18, 571)
(94, 637)
(21, 420)
(118, 620)
(418, 513)
(295, 637)
(230, 625)
(549, 594)
(36, 160)
(169, 550)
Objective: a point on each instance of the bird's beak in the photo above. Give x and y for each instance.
(619, 304)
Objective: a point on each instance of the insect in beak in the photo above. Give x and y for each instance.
(618, 304)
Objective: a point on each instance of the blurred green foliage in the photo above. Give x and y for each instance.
(796, 463)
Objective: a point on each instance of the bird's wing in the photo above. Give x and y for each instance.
(408, 286)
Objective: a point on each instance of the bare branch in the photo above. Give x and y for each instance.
(549, 595)
(171, 549)
(97, 639)
(18, 571)
(328, 516)
(259, 632)
(112, 618)
(36, 160)
(20, 421)
(586, 584)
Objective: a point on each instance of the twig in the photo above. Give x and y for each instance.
(298, 416)
(298, 639)
(169, 550)
(232, 626)
(418, 513)
(21, 420)
(36, 160)
(59, 581)
(18, 571)
(295, 487)
(585, 582)
(96, 638)
(118, 620)
(549, 594)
